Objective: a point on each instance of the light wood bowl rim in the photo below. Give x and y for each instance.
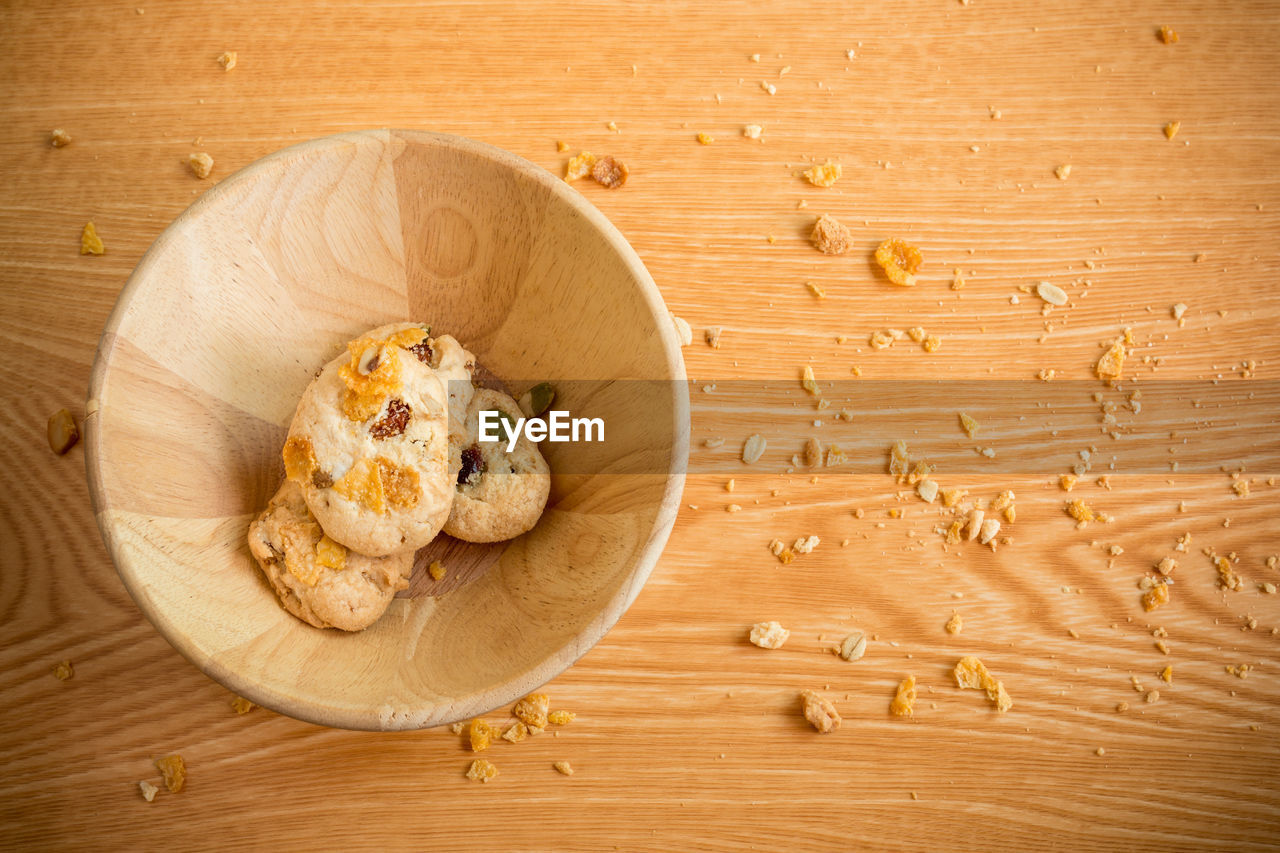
(555, 663)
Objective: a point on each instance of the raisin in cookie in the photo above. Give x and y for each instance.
(318, 580)
(369, 444)
(499, 494)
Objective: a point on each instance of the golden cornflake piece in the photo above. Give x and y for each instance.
(904, 698)
(436, 570)
(201, 164)
(579, 166)
(62, 670)
(1067, 482)
(174, 771)
(881, 340)
(836, 456)
(1166, 675)
(561, 718)
(480, 733)
(808, 382)
(62, 431)
(532, 710)
(830, 237)
(769, 635)
(786, 557)
(90, 242)
(1167, 35)
(516, 732)
(1111, 363)
(1171, 129)
(481, 770)
(819, 711)
(1063, 171)
(955, 624)
(816, 289)
(363, 485)
(705, 139)
(330, 554)
(1226, 574)
(921, 471)
(931, 343)
(241, 705)
(972, 674)
(563, 767)
(609, 173)
(148, 790)
(561, 146)
(1080, 511)
(299, 458)
(953, 532)
(59, 137)
(899, 460)
(916, 333)
(1241, 488)
(371, 375)
(1152, 696)
(951, 497)
(969, 425)
(899, 260)
(228, 60)
(1155, 597)
(823, 176)
(1166, 566)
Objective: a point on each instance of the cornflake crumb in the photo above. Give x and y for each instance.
(481, 770)
(148, 790)
(90, 242)
(516, 732)
(899, 260)
(228, 60)
(819, 711)
(904, 698)
(1166, 675)
(705, 139)
(1063, 171)
(201, 164)
(1111, 363)
(1121, 707)
(971, 673)
(174, 771)
(561, 146)
(829, 236)
(532, 710)
(579, 166)
(1171, 129)
(1100, 751)
(954, 624)
(769, 635)
(480, 734)
(563, 767)
(1155, 597)
(823, 176)
(1080, 511)
(969, 425)
(1167, 35)
(561, 718)
(241, 705)
(610, 173)
(1152, 696)
(62, 670)
(59, 138)
(752, 131)
(457, 728)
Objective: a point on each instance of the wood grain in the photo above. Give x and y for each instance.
(687, 736)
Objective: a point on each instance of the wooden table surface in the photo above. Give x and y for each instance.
(949, 120)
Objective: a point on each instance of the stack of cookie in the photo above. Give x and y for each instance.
(383, 455)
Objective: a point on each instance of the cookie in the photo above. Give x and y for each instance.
(498, 495)
(369, 444)
(318, 580)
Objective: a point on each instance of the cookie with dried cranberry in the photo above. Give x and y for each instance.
(369, 444)
(318, 580)
(498, 495)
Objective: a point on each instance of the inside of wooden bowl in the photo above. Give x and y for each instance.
(252, 289)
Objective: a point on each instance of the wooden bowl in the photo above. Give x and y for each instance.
(244, 297)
